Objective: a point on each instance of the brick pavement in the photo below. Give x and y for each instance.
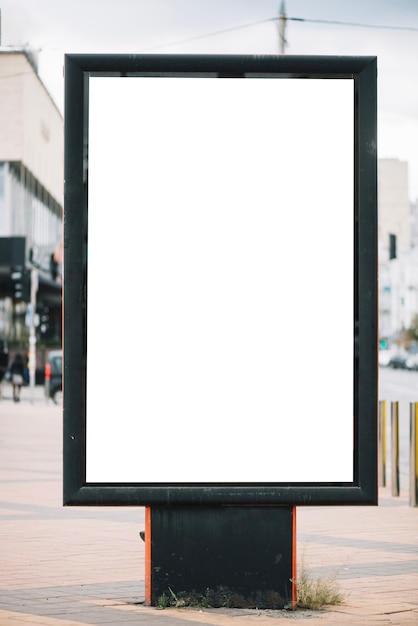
(83, 566)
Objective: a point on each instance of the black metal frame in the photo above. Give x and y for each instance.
(363, 489)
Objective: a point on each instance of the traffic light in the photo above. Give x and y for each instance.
(44, 321)
(392, 246)
(21, 285)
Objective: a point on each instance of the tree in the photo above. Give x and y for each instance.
(412, 332)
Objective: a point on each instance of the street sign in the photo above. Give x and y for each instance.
(29, 315)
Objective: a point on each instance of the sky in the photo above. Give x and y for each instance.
(54, 28)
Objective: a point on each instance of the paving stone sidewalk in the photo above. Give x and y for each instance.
(84, 565)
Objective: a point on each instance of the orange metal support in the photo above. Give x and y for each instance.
(148, 590)
(294, 566)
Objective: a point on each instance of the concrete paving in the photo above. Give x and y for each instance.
(85, 566)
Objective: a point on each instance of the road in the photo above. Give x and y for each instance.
(402, 386)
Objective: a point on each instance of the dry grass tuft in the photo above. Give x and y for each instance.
(316, 593)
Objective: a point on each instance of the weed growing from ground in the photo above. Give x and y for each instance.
(315, 593)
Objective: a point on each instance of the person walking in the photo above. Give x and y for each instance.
(17, 371)
(4, 360)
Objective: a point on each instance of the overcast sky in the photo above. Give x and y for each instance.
(56, 27)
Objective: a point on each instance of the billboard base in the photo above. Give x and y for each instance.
(221, 556)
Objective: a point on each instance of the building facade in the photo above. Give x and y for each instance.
(394, 204)
(31, 201)
(398, 251)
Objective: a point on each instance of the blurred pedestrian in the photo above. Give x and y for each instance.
(17, 371)
(4, 360)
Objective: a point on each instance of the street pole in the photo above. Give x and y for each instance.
(32, 336)
(282, 28)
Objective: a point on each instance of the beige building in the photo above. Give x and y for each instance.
(394, 205)
(398, 272)
(31, 126)
(31, 195)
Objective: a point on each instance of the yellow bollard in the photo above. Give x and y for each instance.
(382, 443)
(395, 447)
(413, 454)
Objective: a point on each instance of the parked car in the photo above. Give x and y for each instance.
(412, 362)
(398, 360)
(384, 357)
(53, 376)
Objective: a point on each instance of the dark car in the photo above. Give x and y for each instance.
(53, 376)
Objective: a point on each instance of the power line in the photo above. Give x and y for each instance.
(355, 24)
(214, 33)
(292, 19)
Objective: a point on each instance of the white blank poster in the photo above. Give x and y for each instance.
(222, 209)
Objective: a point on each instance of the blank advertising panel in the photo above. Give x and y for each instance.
(219, 294)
